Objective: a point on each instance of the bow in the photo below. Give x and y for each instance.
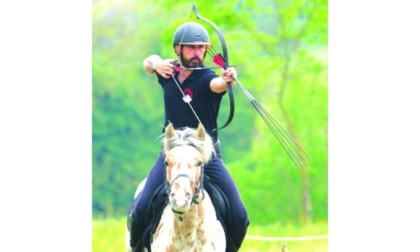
(220, 60)
(292, 147)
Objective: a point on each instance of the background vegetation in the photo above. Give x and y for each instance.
(108, 236)
(280, 49)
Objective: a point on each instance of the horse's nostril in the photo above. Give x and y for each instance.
(172, 194)
(188, 195)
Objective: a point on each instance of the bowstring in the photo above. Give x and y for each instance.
(185, 98)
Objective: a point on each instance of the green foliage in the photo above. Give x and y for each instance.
(280, 49)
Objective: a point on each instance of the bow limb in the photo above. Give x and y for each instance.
(225, 65)
(219, 34)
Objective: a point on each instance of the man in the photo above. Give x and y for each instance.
(203, 90)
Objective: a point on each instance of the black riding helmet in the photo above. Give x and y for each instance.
(191, 33)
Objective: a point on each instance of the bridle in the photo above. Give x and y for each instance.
(198, 188)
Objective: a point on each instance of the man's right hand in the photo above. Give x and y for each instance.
(165, 68)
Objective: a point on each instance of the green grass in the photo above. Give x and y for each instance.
(290, 230)
(109, 236)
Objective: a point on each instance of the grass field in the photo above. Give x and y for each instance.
(109, 236)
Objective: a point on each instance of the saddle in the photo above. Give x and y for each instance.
(160, 200)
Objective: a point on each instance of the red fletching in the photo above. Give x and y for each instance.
(218, 60)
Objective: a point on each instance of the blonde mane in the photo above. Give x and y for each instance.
(197, 138)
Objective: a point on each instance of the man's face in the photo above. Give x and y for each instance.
(191, 55)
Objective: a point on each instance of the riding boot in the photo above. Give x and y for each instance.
(135, 235)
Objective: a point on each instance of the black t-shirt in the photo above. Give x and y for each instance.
(205, 102)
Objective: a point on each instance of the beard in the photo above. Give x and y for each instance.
(191, 63)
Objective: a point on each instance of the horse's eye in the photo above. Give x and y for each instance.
(166, 163)
(199, 163)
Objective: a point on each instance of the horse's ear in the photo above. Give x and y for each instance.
(200, 132)
(169, 131)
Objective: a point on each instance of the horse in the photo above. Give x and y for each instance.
(189, 221)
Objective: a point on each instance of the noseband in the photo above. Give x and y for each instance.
(197, 188)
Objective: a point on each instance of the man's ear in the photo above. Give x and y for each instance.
(177, 49)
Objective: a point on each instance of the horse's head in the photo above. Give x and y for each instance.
(186, 153)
